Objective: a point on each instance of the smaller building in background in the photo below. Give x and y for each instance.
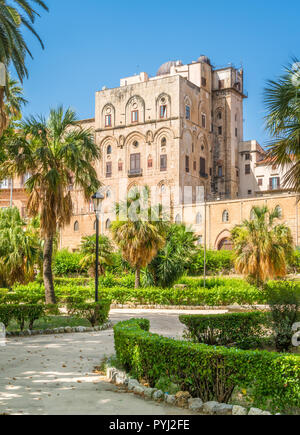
(258, 176)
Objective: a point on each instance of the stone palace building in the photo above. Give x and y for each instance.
(181, 134)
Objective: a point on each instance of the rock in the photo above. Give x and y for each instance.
(158, 395)
(132, 383)
(170, 399)
(68, 329)
(255, 411)
(266, 413)
(195, 404)
(239, 410)
(110, 372)
(180, 286)
(120, 378)
(61, 330)
(80, 329)
(148, 392)
(182, 399)
(215, 408)
(139, 390)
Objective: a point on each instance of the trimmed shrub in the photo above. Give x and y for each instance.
(96, 313)
(216, 262)
(208, 372)
(284, 301)
(21, 313)
(67, 263)
(6, 314)
(245, 330)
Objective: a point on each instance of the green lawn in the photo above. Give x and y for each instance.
(51, 322)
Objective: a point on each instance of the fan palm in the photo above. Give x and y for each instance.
(173, 259)
(59, 155)
(262, 247)
(142, 234)
(282, 101)
(88, 249)
(19, 248)
(10, 110)
(13, 17)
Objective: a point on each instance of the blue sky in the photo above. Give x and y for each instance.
(93, 43)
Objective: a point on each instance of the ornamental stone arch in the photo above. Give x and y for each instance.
(135, 103)
(108, 110)
(108, 141)
(163, 100)
(223, 241)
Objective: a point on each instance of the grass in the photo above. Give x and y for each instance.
(52, 322)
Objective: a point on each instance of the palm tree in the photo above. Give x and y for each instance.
(282, 101)
(173, 259)
(262, 247)
(142, 234)
(19, 248)
(88, 249)
(10, 110)
(59, 155)
(14, 16)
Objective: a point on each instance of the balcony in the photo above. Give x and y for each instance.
(135, 173)
(203, 175)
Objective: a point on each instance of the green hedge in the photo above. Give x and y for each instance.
(216, 262)
(21, 313)
(245, 330)
(208, 372)
(96, 313)
(195, 296)
(67, 263)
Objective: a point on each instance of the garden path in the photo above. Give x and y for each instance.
(54, 374)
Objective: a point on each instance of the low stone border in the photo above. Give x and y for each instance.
(230, 308)
(181, 399)
(62, 330)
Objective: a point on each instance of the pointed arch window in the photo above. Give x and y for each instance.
(225, 216)
(76, 227)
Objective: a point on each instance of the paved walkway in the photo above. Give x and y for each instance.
(54, 374)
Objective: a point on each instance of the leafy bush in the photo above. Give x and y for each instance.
(211, 373)
(216, 262)
(242, 329)
(295, 261)
(67, 263)
(21, 313)
(6, 314)
(217, 293)
(96, 313)
(284, 301)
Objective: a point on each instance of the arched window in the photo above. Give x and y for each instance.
(164, 142)
(76, 226)
(108, 193)
(225, 217)
(95, 225)
(199, 219)
(108, 224)
(135, 144)
(109, 150)
(278, 209)
(178, 219)
(150, 162)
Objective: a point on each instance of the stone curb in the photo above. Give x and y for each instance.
(230, 308)
(181, 399)
(62, 330)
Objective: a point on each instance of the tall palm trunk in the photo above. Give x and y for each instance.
(47, 271)
(137, 277)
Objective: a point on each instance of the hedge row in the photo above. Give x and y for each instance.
(208, 372)
(21, 314)
(245, 330)
(216, 296)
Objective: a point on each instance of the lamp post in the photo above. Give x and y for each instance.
(97, 201)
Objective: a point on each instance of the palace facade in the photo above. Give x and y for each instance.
(181, 134)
